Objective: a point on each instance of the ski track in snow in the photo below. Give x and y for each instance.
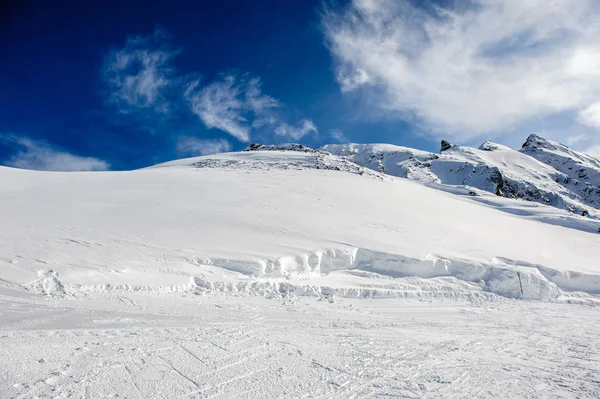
(209, 347)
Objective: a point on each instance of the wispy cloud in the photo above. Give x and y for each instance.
(590, 116)
(141, 80)
(140, 76)
(38, 155)
(234, 104)
(478, 67)
(296, 132)
(192, 146)
(338, 135)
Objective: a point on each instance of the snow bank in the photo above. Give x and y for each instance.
(506, 278)
(313, 273)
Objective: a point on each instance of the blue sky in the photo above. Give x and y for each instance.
(85, 86)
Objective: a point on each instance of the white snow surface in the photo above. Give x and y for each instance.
(289, 272)
(135, 345)
(273, 218)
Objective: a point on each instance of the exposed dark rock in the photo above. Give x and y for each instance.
(281, 147)
(254, 147)
(534, 141)
(445, 146)
(496, 177)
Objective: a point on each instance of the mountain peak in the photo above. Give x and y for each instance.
(535, 141)
(543, 171)
(445, 145)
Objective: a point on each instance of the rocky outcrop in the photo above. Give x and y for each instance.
(489, 146)
(280, 147)
(445, 146)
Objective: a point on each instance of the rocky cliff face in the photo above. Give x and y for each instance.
(579, 173)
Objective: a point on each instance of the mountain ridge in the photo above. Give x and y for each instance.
(542, 171)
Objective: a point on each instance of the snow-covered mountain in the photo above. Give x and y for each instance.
(542, 171)
(580, 172)
(279, 219)
(285, 271)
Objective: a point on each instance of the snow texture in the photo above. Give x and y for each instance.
(277, 216)
(284, 271)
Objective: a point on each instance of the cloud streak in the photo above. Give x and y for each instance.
(140, 80)
(37, 155)
(480, 67)
(234, 104)
(338, 135)
(191, 146)
(296, 132)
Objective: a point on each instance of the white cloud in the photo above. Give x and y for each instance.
(139, 75)
(296, 132)
(590, 116)
(141, 81)
(192, 146)
(483, 66)
(41, 156)
(234, 104)
(338, 135)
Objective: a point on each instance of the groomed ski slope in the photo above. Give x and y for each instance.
(135, 345)
(269, 222)
(289, 275)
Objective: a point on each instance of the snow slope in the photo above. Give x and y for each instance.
(273, 222)
(247, 275)
(543, 171)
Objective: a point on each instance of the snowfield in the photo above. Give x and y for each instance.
(291, 273)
